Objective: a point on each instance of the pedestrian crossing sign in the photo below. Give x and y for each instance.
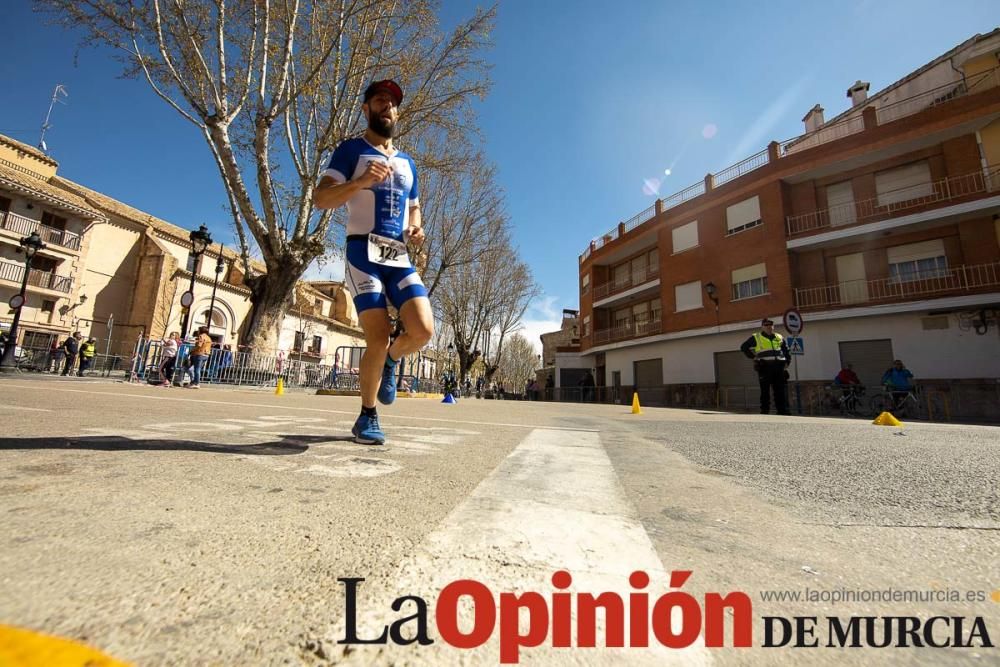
(796, 345)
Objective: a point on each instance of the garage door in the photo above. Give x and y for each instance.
(734, 369)
(649, 373)
(870, 358)
(738, 385)
(571, 377)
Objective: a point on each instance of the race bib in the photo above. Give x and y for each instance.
(387, 252)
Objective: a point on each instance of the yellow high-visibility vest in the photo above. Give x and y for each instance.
(768, 349)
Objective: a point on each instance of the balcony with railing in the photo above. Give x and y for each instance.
(907, 201)
(22, 226)
(952, 281)
(886, 112)
(626, 282)
(628, 329)
(14, 273)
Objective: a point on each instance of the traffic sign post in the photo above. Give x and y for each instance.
(792, 321)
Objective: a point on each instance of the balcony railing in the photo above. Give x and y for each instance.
(626, 329)
(936, 96)
(740, 168)
(955, 280)
(44, 279)
(946, 190)
(21, 225)
(830, 132)
(632, 279)
(838, 130)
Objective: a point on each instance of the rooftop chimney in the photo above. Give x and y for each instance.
(858, 92)
(813, 119)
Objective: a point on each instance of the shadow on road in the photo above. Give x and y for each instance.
(285, 445)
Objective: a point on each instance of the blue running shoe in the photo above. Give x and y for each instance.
(387, 390)
(367, 431)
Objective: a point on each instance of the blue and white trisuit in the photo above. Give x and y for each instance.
(377, 263)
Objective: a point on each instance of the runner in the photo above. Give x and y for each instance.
(378, 183)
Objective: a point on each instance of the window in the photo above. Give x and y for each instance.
(685, 236)
(750, 281)
(53, 220)
(317, 345)
(917, 261)
(300, 339)
(840, 204)
(48, 306)
(586, 325)
(743, 216)
(638, 270)
(687, 296)
(653, 261)
(655, 309)
(622, 317)
(585, 283)
(620, 275)
(905, 183)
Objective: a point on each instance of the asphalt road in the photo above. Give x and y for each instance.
(212, 527)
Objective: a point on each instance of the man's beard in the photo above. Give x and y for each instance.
(381, 127)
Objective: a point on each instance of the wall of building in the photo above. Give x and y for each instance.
(112, 252)
(938, 354)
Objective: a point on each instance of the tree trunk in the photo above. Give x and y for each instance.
(271, 298)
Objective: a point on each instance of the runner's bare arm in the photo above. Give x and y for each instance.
(416, 227)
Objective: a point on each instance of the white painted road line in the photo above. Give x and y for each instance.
(554, 503)
(323, 410)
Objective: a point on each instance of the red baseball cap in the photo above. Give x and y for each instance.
(387, 85)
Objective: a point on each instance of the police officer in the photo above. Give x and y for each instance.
(770, 359)
(87, 352)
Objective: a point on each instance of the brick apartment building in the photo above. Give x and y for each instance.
(881, 225)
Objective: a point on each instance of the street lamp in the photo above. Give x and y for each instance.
(200, 240)
(219, 266)
(30, 245)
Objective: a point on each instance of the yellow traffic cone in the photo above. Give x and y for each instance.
(887, 419)
(636, 410)
(280, 391)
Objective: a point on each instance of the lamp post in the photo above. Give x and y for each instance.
(30, 245)
(219, 266)
(200, 240)
(711, 290)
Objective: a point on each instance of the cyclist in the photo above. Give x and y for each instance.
(898, 381)
(849, 381)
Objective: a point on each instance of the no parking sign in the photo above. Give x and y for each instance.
(792, 321)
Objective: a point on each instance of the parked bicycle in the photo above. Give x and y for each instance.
(913, 404)
(848, 400)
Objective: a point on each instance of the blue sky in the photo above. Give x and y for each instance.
(591, 101)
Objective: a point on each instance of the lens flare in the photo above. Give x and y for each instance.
(666, 172)
(709, 130)
(651, 186)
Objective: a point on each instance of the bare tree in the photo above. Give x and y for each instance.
(482, 303)
(274, 86)
(519, 363)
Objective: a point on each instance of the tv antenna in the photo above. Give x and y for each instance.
(59, 90)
